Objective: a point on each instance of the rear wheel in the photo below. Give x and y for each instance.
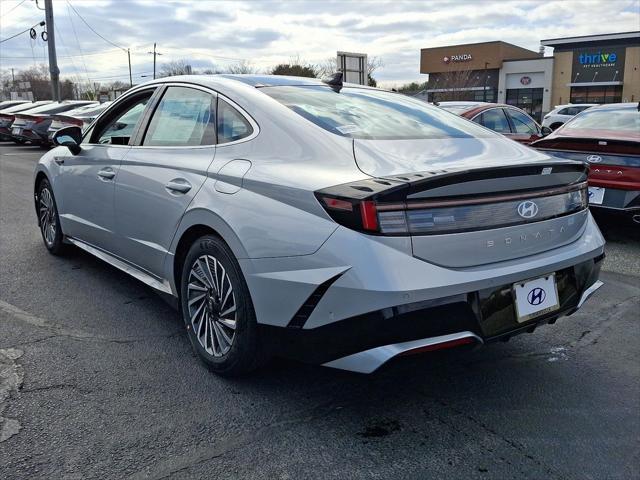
(49, 220)
(217, 309)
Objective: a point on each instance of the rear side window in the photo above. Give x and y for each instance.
(232, 126)
(372, 114)
(185, 117)
(616, 120)
(495, 120)
(522, 123)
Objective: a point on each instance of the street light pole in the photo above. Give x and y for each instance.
(51, 44)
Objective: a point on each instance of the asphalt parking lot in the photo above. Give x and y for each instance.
(97, 380)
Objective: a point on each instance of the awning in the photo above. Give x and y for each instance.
(593, 84)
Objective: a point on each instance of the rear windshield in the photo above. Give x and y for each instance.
(373, 114)
(624, 119)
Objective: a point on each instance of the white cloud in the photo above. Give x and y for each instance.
(269, 32)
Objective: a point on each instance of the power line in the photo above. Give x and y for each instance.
(66, 56)
(7, 13)
(91, 28)
(24, 31)
(73, 27)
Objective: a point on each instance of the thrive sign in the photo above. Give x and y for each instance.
(598, 65)
(598, 58)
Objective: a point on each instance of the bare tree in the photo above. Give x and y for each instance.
(175, 67)
(453, 85)
(242, 66)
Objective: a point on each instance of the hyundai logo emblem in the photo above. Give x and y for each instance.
(536, 296)
(594, 159)
(527, 209)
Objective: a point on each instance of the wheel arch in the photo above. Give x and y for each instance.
(194, 225)
(39, 177)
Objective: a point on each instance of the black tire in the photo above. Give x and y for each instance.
(244, 353)
(19, 141)
(53, 241)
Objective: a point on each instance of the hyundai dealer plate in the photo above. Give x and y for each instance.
(536, 297)
(596, 195)
(16, 131)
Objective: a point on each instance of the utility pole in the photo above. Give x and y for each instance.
(155, 53)
(51, 43)
(130, 78)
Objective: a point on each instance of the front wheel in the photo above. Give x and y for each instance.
(217, 309)
(49, 220)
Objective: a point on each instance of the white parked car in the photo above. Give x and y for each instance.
(563, 113)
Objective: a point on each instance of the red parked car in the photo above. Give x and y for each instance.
(608, 137)
(508, 120)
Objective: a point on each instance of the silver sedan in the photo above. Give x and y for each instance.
(332, 223)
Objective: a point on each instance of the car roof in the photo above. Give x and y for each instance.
(25, 106)
(576, 105)
(51, 106)
(616, 106)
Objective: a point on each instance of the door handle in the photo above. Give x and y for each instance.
(178, 185)
(107, 173)
(59, 160)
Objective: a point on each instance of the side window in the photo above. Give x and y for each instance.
(232, 125)
(496, 120)
(522, 123)
(120, 125)
(185, 117)
(565, 111)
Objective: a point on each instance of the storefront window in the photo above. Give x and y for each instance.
(528, 99)
(600, 94)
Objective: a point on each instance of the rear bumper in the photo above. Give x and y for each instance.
(359, 292)
(365, 342)
(619, 200)
(28, 135)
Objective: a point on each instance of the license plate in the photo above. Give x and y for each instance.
(16, 131)
(596, 195)
(536, 297)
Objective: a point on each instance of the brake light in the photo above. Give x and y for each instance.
(369, 215)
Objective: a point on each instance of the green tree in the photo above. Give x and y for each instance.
(294, 70)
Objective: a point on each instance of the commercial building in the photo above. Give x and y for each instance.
(596, 68)
(491, 72)
(590, 69)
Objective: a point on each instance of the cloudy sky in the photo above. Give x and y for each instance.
(264, 33)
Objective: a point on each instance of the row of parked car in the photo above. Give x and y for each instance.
(35, 122)
(605, 136)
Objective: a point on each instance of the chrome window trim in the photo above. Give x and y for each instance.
(243, 112)
(115, 104)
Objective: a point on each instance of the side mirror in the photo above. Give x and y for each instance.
(546, 131)
(69, 137)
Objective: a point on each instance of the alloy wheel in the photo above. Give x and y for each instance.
(211, 305)
(47, 216)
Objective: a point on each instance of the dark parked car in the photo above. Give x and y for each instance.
(510, 121)
(33, 125)
(7, 116)
(608, 137)
(80, 117)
